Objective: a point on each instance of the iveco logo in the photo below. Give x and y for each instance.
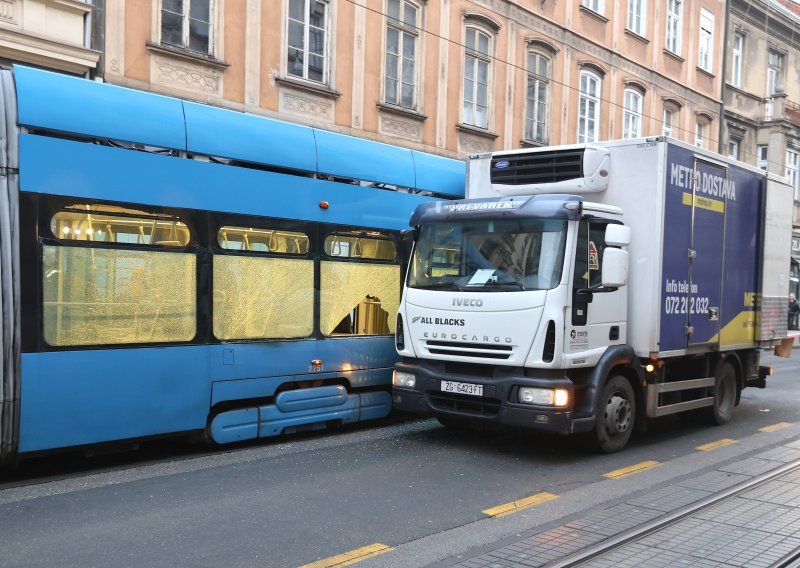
(501, 165)
(467, 302)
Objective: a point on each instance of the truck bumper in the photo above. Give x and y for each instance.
(498, 405)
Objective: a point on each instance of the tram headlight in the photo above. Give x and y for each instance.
(405, 380)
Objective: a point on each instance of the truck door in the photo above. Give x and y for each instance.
(705, 255)
(594, 323)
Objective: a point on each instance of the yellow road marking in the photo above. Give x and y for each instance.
(778, 426)
(617, 473)
(520, 504)
(348, 558)
(715, 445)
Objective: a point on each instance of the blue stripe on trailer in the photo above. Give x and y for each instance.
(60, 103)
(356, 158)
(63, 167)
(224, 133)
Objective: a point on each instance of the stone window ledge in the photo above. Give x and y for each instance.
(705, 72)
(402, 111)
(524, 143)
(634, 35)
(314, 88)
(673, 55)
(188, 55)
(597, 15)
(469, 129)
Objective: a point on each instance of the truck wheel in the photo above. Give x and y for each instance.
(721, 411)
(614, 424)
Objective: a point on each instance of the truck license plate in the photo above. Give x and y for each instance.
(462, 388)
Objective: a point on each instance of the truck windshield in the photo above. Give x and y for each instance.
(489, 255)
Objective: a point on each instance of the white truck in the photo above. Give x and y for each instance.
(585, 288)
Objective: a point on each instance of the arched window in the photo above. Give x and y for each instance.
(589, 107)
(701, 129)
(537, 98)
(632, 114)
(402, 46)
(670, 118)
(477, 72)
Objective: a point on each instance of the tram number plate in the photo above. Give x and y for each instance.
(462, 388)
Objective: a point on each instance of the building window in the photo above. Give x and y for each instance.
(637, 16)
(632, 114)
(699, 134)
(674, 24)
(793, 171)
(736, 61)
(187, 24)
(594, 5)
(308, 40)
(761, 156)
(667, 121)
(402, 39)
(589, 107)
(774, 80)
(476, 78)
(705, 55)
(537, 97)
(733, 148)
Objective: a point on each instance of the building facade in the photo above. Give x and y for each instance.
(448, 76)
(52, 34)
(761, 95)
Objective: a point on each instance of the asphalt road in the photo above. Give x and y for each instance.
(296, 500)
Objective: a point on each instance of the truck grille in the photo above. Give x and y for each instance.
(481, 350)
(470, 369)
(538, 167)
(465, 404)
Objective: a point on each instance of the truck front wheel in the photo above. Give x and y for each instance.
(614, 424)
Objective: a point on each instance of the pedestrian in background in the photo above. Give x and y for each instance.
(794, 309)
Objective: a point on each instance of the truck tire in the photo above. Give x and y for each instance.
(617, 413)
(721, 411)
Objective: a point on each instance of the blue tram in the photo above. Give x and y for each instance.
(170, 267)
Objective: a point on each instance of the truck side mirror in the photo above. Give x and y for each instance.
(618, 235)
(615, 268)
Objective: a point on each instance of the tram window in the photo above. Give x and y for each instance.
(358, 298)
(263, 297)
(263, 240)
(99, 296)
(112, 224)
(368, 245)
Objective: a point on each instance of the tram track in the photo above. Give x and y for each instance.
(614, 543)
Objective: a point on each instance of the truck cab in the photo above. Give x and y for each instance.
(508, 302)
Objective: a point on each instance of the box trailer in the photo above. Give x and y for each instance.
(585, 288)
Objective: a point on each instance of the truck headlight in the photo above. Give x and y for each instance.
(544, 397)
(401, 379)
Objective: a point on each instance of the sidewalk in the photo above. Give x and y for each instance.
(753, 528)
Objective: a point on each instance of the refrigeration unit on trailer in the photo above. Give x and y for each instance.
(585, 288)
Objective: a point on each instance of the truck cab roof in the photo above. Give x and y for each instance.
(566, 207)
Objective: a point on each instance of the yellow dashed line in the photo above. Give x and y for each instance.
(715, 445)
(617, 473)
(778, 426)
(351, 557)
(520, 504)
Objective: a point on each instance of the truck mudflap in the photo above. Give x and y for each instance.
(497, 402)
